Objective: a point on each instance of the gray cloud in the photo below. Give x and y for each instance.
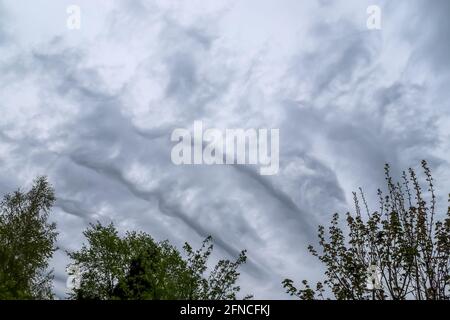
(94, 110)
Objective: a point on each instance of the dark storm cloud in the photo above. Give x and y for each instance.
(290, 208)
(73, 207)
(101, 125)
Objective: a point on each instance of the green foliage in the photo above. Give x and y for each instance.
(220, 283)
(307, 293)
(404, 241)
(27, 242)
(137, 267)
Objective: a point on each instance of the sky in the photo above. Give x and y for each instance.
(94, 108)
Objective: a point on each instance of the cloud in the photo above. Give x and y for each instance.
(94, 111)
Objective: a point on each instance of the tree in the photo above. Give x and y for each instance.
(401, 251)
(220, 284)
(137, 267)
(27, 242)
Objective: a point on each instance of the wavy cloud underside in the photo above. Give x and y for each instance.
(94, 110)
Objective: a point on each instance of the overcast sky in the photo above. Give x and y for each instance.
(94, 110)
